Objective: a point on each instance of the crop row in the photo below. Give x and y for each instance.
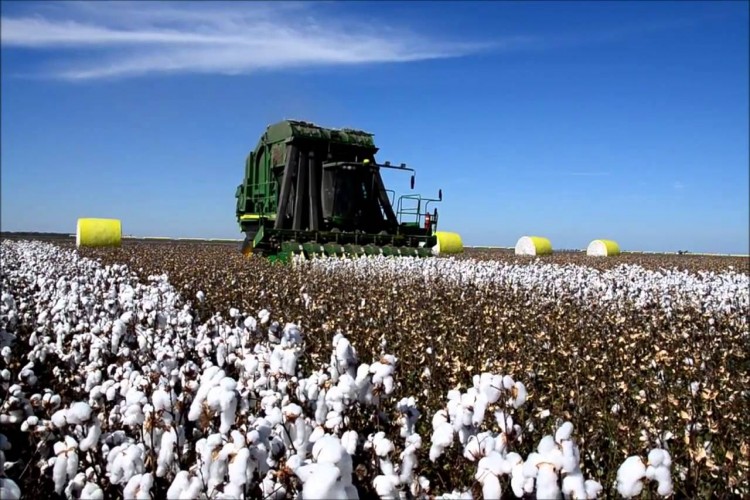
(632, 380)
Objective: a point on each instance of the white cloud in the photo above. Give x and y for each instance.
(113, 39)
(678, 186)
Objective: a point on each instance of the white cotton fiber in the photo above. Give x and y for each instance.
(78, 413)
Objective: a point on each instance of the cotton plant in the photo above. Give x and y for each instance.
(552, 470)
(465, 412)
(634, 471)
(152, 385)
(669, 290)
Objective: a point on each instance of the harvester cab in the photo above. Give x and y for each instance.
(319, 191)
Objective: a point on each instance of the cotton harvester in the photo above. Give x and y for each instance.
(318, 191)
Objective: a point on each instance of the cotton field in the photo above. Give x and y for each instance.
(187, 371)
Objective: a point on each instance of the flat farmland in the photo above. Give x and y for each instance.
(480, 375)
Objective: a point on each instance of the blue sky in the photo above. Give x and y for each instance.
(573, 121)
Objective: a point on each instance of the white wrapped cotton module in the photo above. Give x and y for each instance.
(603, 248)
(533, 245)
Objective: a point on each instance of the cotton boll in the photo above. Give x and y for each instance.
(409, 458)
(546, 482)
(471, 450)
(305, 472)
(228, 404)
(111, 392)
(512, 460)
(386, 486)
(65, 464)
(59, 419)
(322, 482)
(494, 463)
(518, 480)
(180, 483)
(508, 382)
(125, 460)
(162, 400)
(321, 410)
(658, 456)
(237, 468)
(289, 362)
(570, 457)
(530, 466)
(345, 357)
(546, 445)
(663, 477)
(92, 436)
(387, 467)
(505, 421)
(573, 486)
(629, 477)
(300, 433)
(480, 405)
(491, 386)
(328, 449)
(347, 387)
(440, 417)
(78, 413)
(29, 424)
(59, 477)
(9, 490)
(349, 441)
(593, 488)
(316, 434)
(272, 490)
(6, 354)
(90, 491)
(231, 492)
(380, 372)
(166, 452)
(118, 332)
(129, 492)
(519, 395)
(564, 432)
(442, 437)
(491, 487)
(264, 316)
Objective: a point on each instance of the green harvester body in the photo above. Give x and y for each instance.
(318, 191)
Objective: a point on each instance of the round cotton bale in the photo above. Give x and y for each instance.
(98, 233)
(603, 248)
(447, 243)
(533, 245)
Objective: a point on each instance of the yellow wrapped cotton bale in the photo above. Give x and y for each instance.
(447, 243)
(98, 233)
(603, 248)
(533, 245)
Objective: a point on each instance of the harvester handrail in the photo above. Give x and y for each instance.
(416, 211)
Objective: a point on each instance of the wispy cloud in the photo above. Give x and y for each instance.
(111, 39)
(678, 186)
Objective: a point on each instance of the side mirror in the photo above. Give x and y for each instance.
(412, 181)
(440, 194)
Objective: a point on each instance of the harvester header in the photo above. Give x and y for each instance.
(315, 190)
